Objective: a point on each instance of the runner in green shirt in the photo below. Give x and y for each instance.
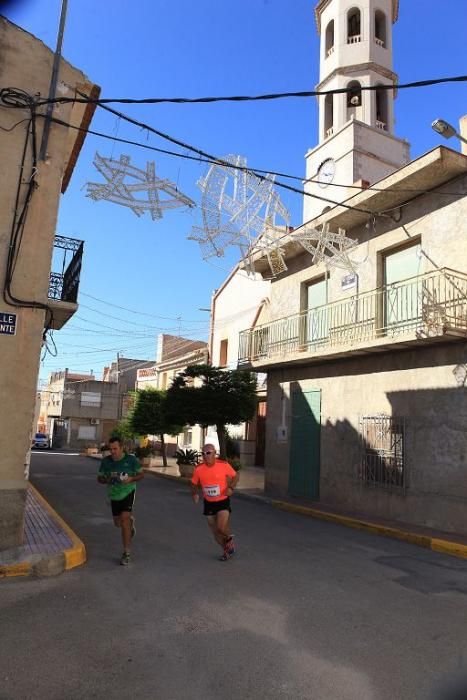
(119, 472)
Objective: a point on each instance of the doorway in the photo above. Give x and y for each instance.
(305, 433)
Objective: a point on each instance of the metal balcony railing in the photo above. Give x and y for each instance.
(64, 285)
(427, 305)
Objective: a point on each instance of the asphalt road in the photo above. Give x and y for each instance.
(308, 609)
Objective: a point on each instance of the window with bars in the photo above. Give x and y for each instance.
(383, 462)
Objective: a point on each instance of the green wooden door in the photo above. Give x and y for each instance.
(304, 462)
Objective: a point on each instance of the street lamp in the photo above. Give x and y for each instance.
(447, 130)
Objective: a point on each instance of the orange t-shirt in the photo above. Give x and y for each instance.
(213, 480)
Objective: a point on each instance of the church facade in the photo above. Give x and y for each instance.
(366, 352)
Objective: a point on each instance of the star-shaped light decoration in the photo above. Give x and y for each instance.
(325, 246)
(240, 209)
(120, 192)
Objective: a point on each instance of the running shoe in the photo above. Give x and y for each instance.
(125, 560)
(230, 546)
(133, 526)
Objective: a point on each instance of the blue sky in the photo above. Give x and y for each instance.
(207, 47)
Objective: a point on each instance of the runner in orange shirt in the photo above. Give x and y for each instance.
(217, 480)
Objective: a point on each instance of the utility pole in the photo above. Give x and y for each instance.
(53, 81)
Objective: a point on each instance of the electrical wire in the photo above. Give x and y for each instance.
(16, 98)
(221, 161)
(132, 311)
(242, 168)
(251, 98)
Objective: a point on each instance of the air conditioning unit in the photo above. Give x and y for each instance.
(94, 421)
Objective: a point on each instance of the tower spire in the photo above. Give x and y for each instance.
(356, 128)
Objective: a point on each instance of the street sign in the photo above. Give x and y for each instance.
(349, 281)
(7, 323)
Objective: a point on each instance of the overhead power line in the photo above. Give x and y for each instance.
(251, 98)
(215, 161)
(133, 311)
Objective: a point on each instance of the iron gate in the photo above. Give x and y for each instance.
(383, 451)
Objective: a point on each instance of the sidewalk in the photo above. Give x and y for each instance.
(251, 478)
(251, 485)
(50, 546)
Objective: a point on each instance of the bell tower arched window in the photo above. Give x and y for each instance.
(354, 26)
(330, 38)
(328, 116)
(380, 28)
(382, 118)
(354, 99)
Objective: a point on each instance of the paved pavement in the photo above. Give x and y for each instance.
(309, 610)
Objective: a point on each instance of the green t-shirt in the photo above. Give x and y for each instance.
(128, 464)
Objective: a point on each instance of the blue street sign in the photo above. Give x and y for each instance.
(7, 323)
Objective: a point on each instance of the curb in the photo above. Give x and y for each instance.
(436, 544)
(186, 480)
(454, 549)
(75, 555)
(171, 477)
(51, 564)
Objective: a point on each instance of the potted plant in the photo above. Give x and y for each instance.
(144, 455)
(187, 461)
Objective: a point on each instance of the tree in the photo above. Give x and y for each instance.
(223, 397)
(149, 417)
(124, 432)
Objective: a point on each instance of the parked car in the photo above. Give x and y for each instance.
(41, 441)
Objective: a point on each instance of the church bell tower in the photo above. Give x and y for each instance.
(357, 144)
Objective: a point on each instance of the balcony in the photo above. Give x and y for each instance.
(64, 285)
(420, 310)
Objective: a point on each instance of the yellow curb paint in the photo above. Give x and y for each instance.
(75, 555)
(454, 549)
(15, 570)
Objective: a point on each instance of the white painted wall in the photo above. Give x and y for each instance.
(235, 308)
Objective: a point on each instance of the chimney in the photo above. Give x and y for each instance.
(463, 133)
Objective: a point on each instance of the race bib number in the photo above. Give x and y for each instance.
(212, 491)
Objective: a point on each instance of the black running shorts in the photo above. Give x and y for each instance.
(213, 507)
(125, 504)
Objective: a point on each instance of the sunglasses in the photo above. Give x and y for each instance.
(209, 452)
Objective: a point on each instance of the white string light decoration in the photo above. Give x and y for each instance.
(116, 190)
(325, 246)
(240, 209)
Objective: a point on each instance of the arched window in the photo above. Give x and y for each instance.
(354, 95)
(328, 116)
(380, 28)
(382, 117)
(354, 99)
(353, 26)
(330, 38)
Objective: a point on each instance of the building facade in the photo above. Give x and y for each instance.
(174, 355)
(33, 298)
(366, 361)
(236, 305)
